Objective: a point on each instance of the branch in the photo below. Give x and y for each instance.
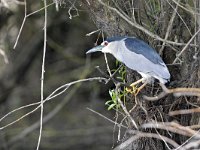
(2, 52)
(136, 25)
(173, 127)
(193, 144)
(22, 25)
(42, 76)
(114, 122)
(188, 10)
(176, 92)
(124, 108)
(24, 20)
(60, 90)
(46, 118)
(139, 134)
(185, 47)
(170, 25)
(184, 111)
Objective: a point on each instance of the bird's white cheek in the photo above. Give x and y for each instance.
(105, 50)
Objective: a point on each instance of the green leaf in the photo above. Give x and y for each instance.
(111, 106)
(108, 102)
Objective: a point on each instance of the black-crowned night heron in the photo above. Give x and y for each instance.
(136, 55)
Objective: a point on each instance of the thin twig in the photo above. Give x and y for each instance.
(155, 98)
(42, 75)
(24, 20)
(188, 10)
(46, 118)
(184, 111)
(108, 68)
(89, 34)
(185, 47)
(22, 25)
(30, 14)
(124, 108)
(173, 127)
(181, 18)
(170, 24)
(112, 75)
(54, 94)
(176, 91)
(136, 25)
(70, 9)
(138, 134)
(17, 109)
(2, 52)
(192, 145)
(114, 122)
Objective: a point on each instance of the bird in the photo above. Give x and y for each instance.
(136, 55)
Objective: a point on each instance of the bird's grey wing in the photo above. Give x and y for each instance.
(140, 47)
(141, 63)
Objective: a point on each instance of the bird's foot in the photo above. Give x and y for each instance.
(132, 89)
(135, 90)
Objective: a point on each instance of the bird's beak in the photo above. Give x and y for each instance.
(95, 49)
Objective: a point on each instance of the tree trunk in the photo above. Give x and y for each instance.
(157, 18)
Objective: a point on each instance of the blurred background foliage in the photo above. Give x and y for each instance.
(69, 125)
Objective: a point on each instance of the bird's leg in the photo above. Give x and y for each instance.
(136, 82)
(134, 89)
(141, 87)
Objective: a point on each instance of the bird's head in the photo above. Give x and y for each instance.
(101, 48)
(110, 45)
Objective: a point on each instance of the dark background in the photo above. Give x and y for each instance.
(72, 126)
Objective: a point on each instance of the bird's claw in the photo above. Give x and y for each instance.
(132, 89)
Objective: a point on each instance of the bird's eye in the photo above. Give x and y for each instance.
(105, 43)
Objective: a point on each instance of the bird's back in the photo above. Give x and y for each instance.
(140, 47)
(139, 56)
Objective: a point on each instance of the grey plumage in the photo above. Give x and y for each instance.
(140, 47)
(136, 55)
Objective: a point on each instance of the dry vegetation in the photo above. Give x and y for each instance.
(159, 117)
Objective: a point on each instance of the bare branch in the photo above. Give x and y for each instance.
(185, 47)
(176, 91)
(173, 127)
(114, 122)
(54, 94)
(46, 118)
(42, 75)
(26, 16)
(2, 52)
(188, 10)
(184, 111)
(23, 22)
(170, 24)
(136, 25)
(124, 108)
(193, 144)
(138, 134)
